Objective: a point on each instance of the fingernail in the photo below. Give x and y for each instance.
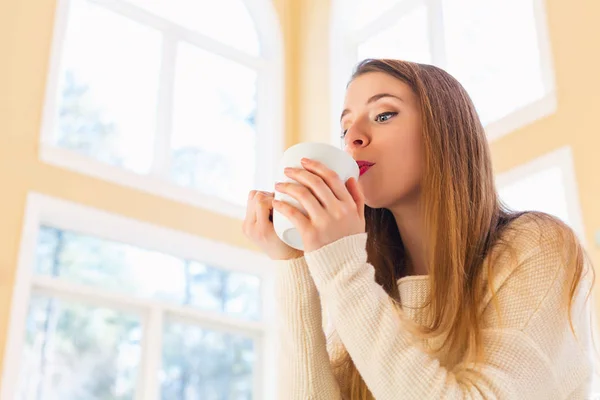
(287, 169)
(305, 161)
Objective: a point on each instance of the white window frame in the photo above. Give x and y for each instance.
(563, 159)
(62, 214)
(269, 98)
(343, 57)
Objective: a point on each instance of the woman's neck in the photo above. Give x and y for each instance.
(410, 225)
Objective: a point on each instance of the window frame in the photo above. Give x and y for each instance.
(269, 101)
(563, 159)
(343, 57)
(42, 209)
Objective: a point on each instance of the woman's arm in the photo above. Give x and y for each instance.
(304, 368)
(532, 356)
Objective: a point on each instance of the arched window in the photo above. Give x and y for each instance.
(177, 97)
(498, 50)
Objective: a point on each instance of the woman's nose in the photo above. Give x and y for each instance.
(355, 138)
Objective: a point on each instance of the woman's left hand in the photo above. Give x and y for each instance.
(335, 210)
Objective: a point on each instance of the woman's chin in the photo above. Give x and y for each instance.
(374, 202)
(375, 195)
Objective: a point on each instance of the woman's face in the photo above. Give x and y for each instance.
(381, 124)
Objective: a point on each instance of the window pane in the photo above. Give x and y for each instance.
(227, 21)
(543, 191)
(75, 352)
(407, 40)
(358, 13)
(213, 142)
(108, 265)
(150, 274)
(107, 97)
(204, 364)
(214, 289)
(492, 50)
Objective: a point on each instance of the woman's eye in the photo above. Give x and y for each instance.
(384, 116)
(343, 133)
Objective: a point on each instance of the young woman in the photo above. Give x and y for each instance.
(432, 288)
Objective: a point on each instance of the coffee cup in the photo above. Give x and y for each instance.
(334, 158)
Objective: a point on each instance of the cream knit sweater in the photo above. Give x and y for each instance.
(530, 354)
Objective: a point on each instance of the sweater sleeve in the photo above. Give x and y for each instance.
(304, 369)
(530, 355)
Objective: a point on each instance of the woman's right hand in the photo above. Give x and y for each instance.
(258, 227)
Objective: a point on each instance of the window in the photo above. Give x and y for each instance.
(179, 98)
(543, 190)
(100, 313)
(409, 33)
(468, 38)
(546, 184)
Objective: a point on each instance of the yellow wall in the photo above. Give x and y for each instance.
(25, 35)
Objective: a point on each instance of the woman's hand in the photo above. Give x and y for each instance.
(335, 210)
(258, 227)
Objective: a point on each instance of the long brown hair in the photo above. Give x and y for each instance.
(469, 220)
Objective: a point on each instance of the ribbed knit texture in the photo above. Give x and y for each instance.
(530, 352)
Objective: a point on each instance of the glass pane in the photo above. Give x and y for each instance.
(227, 21)
(492, 50)
(109, 265)
(543, 191)
(204, 364)
(75, 352)
(107, 97)
(407, 40)
(214, 289)
(213, 142)
(150, 274)
(358, 13)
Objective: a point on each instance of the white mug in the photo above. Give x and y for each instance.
(334, 158)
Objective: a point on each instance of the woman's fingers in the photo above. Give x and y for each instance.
(314, 183)
(264, 204)
(304, 196)
(330, 177)
(295, 216)
(255, 209)
(357, 196)
(250, 208)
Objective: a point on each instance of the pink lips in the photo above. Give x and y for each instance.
(364, 166)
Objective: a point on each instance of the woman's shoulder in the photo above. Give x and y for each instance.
(537, 261)
(536, 244)
(534, 232)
